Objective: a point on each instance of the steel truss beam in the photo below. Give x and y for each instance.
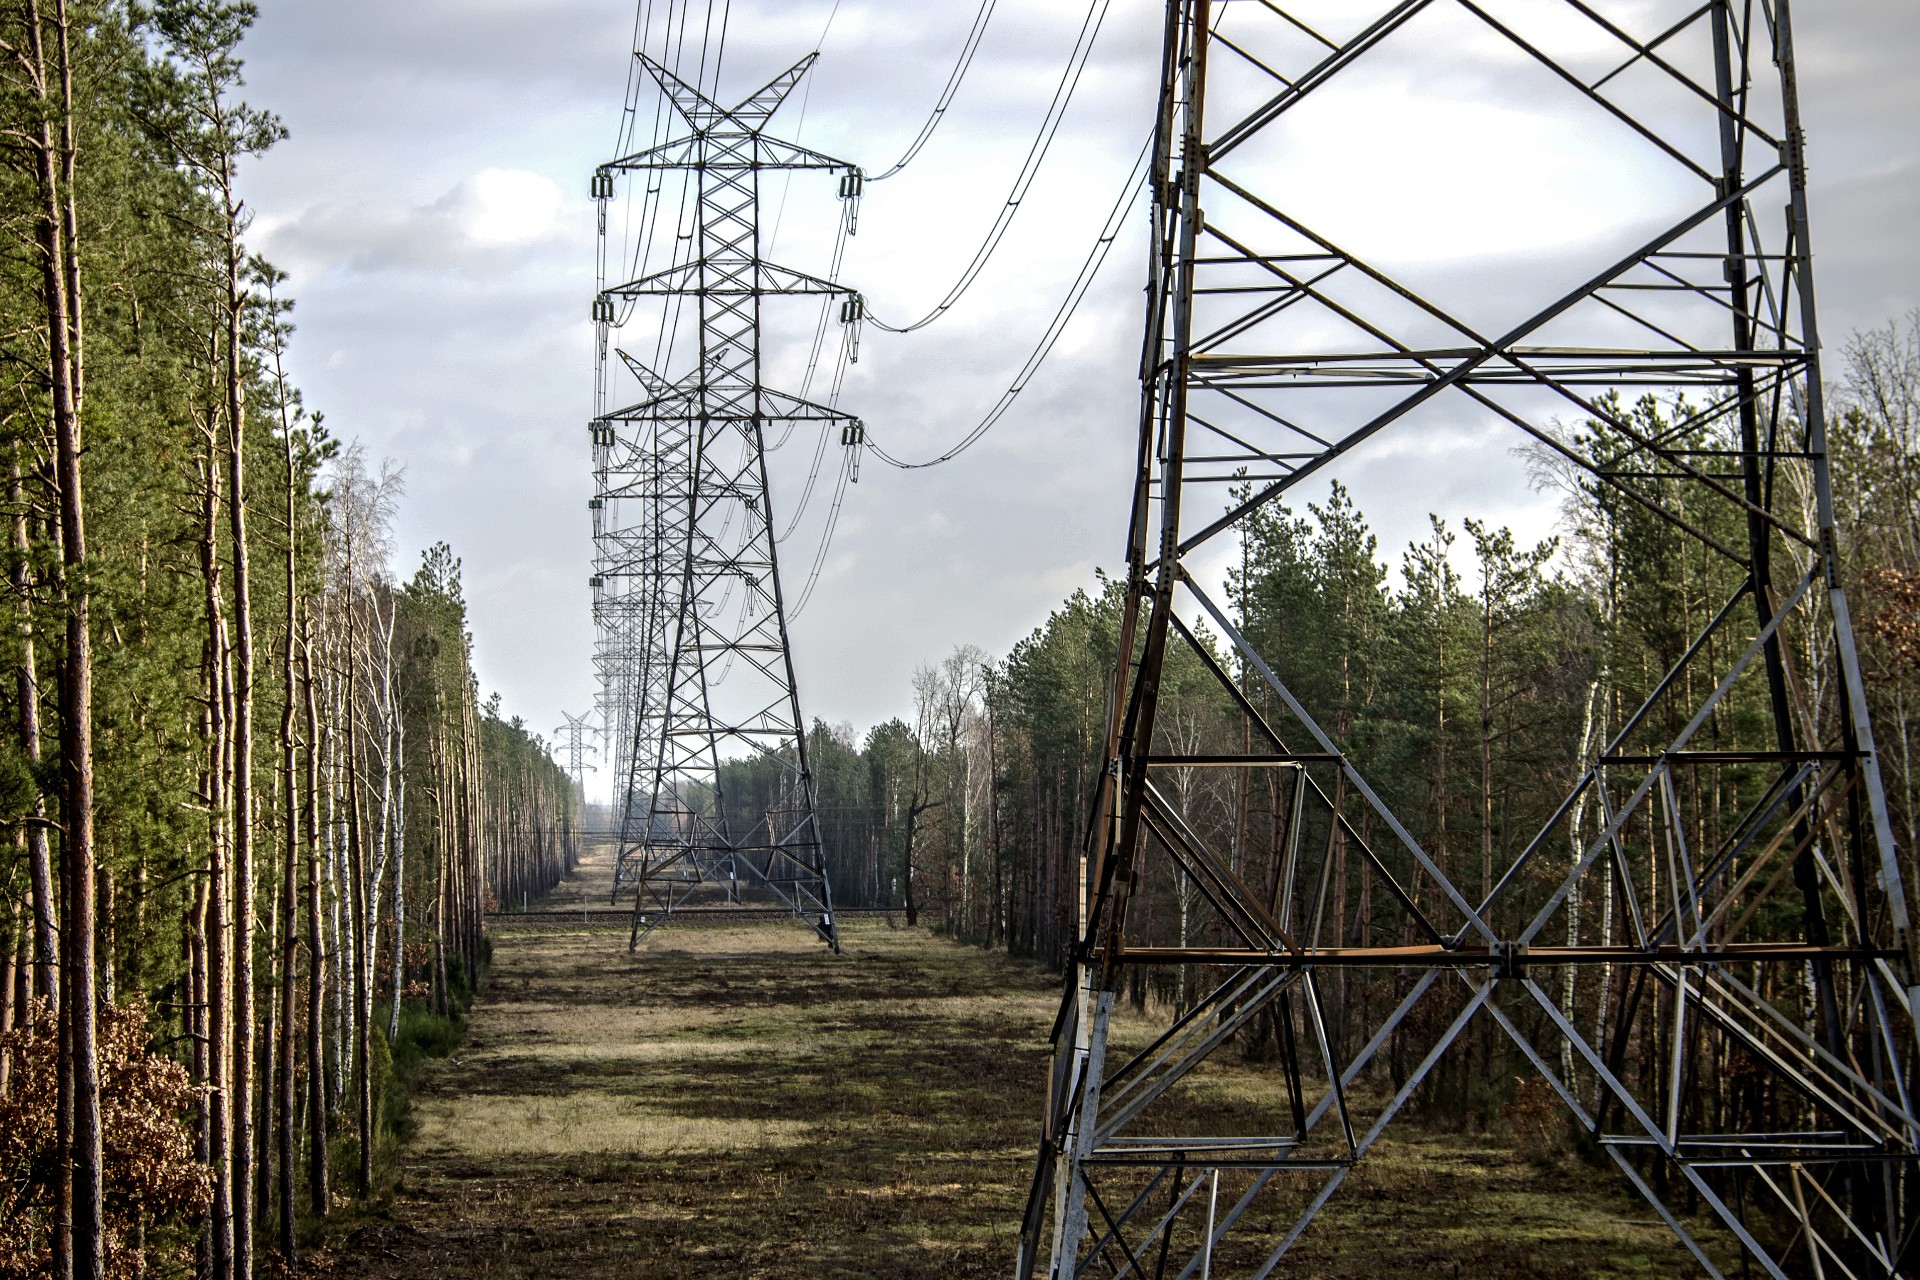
(1775, 953)
(694, 651)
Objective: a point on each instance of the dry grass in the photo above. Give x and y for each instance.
(585, 1122)
(739, 1102)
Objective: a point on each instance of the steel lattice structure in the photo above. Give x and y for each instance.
(633, 602)
(694, 650)
(1774, 955)
(577, 729)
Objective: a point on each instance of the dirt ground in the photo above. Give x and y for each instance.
(737, 1101)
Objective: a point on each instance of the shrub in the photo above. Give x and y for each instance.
(155, 1189)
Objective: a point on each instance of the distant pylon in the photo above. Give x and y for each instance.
(1704, 952)
(696, 630)
(577, 729)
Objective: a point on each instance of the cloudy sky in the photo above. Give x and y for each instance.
(431, 205)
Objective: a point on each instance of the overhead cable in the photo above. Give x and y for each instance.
(642, 21)
(1078, 290)
(1049, 129)
(820, 446)
(960, 67)
(826, 538)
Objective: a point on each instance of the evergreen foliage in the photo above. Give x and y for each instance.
(254, 808)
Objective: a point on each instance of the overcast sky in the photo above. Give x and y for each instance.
(431, 205)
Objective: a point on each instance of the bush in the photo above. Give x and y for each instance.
(423, 1035)
(155, 1190)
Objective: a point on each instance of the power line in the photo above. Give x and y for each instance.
(831, 15)
(842, 359)
(1090, 268)
(960, 67)
(806, 491)
(1043, 141)
(642, 20)
(826, 538)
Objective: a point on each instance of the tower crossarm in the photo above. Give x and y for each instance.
(722, 151)
(729, 276)
(774, 406)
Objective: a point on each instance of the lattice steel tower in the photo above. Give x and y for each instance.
(1716, 908)
(577, 729)
(694, 625)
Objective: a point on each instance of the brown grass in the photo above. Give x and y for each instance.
(736, 1101)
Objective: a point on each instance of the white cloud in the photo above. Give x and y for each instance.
(502, 206)
(493, 219)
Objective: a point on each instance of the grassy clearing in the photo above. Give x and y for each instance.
(735, 1101)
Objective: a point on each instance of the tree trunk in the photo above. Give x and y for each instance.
(45, 933)
(340, 903)
(397, 765)
(79, 1249)
(915, 807)
(290, 783)
(286, 1117)
(219, 1030)
(12, 954)
(266, 1038)
(442, 998)
(362, 943)
(242, 676)
(200, 1061)
(317, 1171)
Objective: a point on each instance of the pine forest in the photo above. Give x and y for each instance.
(256, 806)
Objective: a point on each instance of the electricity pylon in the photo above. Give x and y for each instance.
(577, 729)
(1715, 911)
(636, 476)
(705, 652)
